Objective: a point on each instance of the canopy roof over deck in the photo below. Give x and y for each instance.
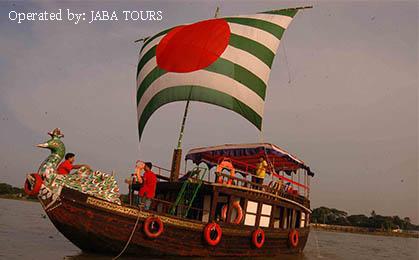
(245, 155)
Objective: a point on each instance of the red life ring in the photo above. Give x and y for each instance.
(33, 190)
(212, 234)
(258, 238)
(239, 209)
(150, 227)
(225, 164)
(293, 238)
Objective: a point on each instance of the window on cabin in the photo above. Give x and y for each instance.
(206, 208)
(234, 211)
(293, 218)
(297, 219)
(265, 215)
(285, 218)
(222, 201)
(277, 213)
(289, 218)
(251, 211)
(307, 220)
(303, 220)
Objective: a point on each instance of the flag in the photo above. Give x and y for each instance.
(223, 61)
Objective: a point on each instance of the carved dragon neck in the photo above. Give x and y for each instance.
(57, 148)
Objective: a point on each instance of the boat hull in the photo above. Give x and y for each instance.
(95, 225)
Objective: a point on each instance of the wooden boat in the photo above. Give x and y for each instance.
(97, 225)
(216, 208)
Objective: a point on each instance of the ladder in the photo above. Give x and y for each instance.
(189, 190)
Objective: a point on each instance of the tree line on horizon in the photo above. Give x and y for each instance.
(9, 191)
(332, 216)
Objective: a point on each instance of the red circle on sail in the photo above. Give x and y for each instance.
(193, 47)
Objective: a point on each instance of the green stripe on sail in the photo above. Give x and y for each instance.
(150, 78)
(220, 66)
(240, 74)
(145, 58)
(269, 27)
(259, 50)
(288, 12)
(199, 93)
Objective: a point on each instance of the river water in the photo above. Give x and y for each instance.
(26, 233)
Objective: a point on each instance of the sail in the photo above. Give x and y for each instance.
(223, 61)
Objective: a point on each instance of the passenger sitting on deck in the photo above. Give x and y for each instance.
(67, 165)
(260, 171)
(148, 189)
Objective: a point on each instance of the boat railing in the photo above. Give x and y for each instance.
(293, 186)
(161, 173)
(274, 187)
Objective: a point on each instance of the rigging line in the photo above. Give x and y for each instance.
(144, 39)
(130, 237)
(286, 63)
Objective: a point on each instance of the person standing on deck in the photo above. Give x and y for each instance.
(67, 165)
(149, 182)
(261, 171)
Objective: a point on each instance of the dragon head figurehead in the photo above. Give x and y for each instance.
(49, 182)
(57, 148)
(55, 145)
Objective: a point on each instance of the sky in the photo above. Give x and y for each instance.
(342, 96)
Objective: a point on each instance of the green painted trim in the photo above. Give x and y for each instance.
(202, 94)
(258, 50)
(269, 27)
(240, 74)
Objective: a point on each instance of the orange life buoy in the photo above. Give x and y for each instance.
(239, 210)
(153, 227)
(33, 189)
(225, 164)
(293, 238)
(258, 238)
(212, 234)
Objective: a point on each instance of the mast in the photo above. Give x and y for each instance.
(177, 153)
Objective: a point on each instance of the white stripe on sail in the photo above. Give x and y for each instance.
(281, 20)
(148, 67)
(258, 35)
(248, 61)
(206, 79)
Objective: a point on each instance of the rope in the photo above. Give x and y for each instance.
(286, 63)
(130, 237)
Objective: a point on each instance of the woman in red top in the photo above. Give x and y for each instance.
(67, 165)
